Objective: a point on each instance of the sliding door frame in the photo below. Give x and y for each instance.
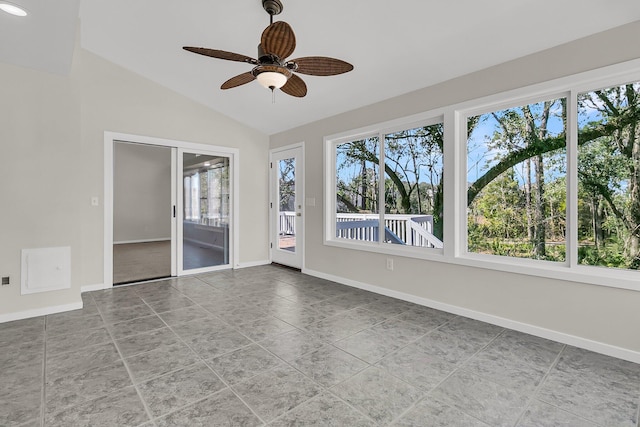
(180, 211)
(110, 138)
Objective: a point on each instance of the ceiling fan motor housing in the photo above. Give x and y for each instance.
(267, 58)
(273, 7)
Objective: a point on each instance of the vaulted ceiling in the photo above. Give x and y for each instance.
(396, 47)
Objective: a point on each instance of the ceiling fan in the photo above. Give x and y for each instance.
(271, 69)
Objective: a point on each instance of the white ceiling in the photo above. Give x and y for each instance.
(396, 47)
(44, 39)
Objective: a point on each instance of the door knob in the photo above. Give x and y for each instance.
(298, 214)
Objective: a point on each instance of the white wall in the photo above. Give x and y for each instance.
(601, 314)
(52, 143)
(39, 179)
(141, 193)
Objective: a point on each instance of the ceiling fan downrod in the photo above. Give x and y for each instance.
(272, 7)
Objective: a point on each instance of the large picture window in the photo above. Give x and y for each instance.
(357, 184)
(413, 186)
(407, 201)
(609, 177)
(542, 181)
(516, 170)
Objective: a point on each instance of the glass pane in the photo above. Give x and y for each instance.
(287, 208)
(413, 187)
(358, 177)
(206, 211)
(516, 174)
(609, 177)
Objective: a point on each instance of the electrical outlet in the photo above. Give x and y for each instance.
(6, 280)
(390, 264)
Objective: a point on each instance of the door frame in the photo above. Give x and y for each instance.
(273, 221)
(110, 138)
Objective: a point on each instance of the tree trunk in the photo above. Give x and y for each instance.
(438, 229)
(633, 247)
(363, 186)
(595, 221)
(527, 200)
(633, 148)
(601, 213)
(539, 212)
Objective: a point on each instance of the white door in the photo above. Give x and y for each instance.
(287, 195)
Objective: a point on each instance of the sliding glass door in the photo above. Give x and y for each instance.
(204, 219)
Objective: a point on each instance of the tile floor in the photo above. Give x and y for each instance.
(270, 346)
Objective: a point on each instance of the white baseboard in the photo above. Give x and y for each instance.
(124, 242)
(587, 344)
(96, 287)
(19, 315)
(252, 264)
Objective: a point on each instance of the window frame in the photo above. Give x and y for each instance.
(379, 131)
(463, 140)
(454, 119)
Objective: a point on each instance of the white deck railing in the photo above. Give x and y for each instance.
(287, 223)
(412, 230)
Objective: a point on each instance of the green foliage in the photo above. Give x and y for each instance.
(612, 255)
(609, 171)
(498, 212)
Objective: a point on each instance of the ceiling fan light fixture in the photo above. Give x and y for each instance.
(271, 79)
(271, 76)
(12, 9)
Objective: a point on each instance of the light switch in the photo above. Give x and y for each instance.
(95, 201)
(311, 201)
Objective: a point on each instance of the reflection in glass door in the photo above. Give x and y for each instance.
(287, 204)
(205, 211)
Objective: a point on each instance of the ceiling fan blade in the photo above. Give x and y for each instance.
(295, 87)
(238, 80)
(321, 66)
(221, 54)
(278, 39)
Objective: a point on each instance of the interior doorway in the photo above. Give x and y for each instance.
(142, 203)
(287, 206)
(195, 206)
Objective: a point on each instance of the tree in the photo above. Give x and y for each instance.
(516, 129)
(499, 213)
(414, 158)
(614, 116)
(613, 161)
(357, 181)
(547, 145)
(287, 182)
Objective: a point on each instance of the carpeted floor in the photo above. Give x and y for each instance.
(134, 262)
